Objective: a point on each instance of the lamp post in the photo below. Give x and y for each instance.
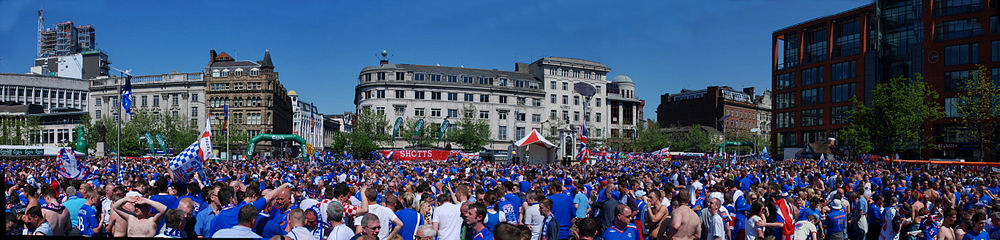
(722, 121)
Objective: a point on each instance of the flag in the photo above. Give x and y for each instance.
(312, 120)
(225, 117)
(822, 160)
(188, 162)
(733, 161)
(206, 140)
(69, 166)
(764, 155)
(127, 95)
(584, 152)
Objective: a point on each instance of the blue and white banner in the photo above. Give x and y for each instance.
(69, 166)
(188, 162)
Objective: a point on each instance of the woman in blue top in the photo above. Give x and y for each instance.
(493, 216)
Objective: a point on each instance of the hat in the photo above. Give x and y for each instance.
(835, 205)
(133, 193)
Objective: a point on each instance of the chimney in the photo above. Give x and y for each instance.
(383, 62)
(213, 55)
(749, 91)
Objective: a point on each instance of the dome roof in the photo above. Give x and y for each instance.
(292, 93)
(621, 79)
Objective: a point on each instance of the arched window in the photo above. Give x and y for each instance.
(254, 72)
(225, 73)
(215, 73)
(239, 72)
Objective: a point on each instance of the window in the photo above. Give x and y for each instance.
(484, 98)
(843, 70)
(503, 82)
(400, 110)
(576, 73)
(951, 108)
(400, 75)
(96, 103)
(597, 117)
(789, 139)
(435, 95)
(502, 133)
(848, 41)
(380, 110)
(452, 96)
(254, 72)
(536, 118)
(469, 97)
(952, 7)
(552, 99)
(576, 100)
(958, 29)
(194, 97)
(452, 113)
(380, 76)
(522, 100)
(791, 51)
(175, 99)
(597, 101)
(553, 115)
(502, 99)
(554, 85)
(435, 112)
(565, 73)
(812, 76)
(995, 51)
(565, 115)
(784, 100)
(953, 80)
(842, 92)
(576, 116)
(565, 99)
(520, 133)
(565, 86)
(143, 101)
(785, 120)
(418, 76)
(537, 102)
(519, 83)
(467, 79)
(418, 94)
(812, 96)
(98, 114)
(521, 116)
(961, 54)
(502, 115)
(225, 72)
(452, 78)
(838, 115)
(812, 136)
(485, 81)
(156, 100)
(784, 81)
(468, 114)
(435, 77)
(400, 94)
(215, 73)
(816, 45)
(484, 114)
(380, 94)
(812, 117)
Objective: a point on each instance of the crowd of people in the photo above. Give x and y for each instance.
(637, 199)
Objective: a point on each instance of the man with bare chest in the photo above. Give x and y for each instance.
(140, 224)
(55, 213)
(684, 222)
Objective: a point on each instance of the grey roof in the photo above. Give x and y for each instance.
(574, 60)
(235, 64)
(43, 81)
(267, 60)
(456, 71)
(15, 108)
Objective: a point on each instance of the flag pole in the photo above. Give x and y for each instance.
(119, 118)
(227, 140)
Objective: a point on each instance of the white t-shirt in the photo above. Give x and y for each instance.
(385, 216)
(752, 228)
(534, 219)
(449, 219)
(887, 228)
(803, 230)
(718, 227)
(341, 232)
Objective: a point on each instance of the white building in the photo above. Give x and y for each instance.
(48, 91)
(510, 102)
(178, 94)
(307, 122)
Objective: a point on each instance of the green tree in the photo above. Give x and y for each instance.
(470, 133)
(978, 105)
(651, 137)
(695, 139)
(427, 134)
(19, 130)
(369, 130)
(894, 121)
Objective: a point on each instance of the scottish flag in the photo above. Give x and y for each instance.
(127, 95)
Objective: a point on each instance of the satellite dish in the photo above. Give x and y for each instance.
(584, 89)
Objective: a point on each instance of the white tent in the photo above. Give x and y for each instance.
(539, 149)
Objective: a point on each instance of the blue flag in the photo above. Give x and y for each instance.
(127, 95)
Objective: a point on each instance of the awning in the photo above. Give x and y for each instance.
(534, 138)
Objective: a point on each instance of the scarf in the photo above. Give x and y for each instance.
(173, 233)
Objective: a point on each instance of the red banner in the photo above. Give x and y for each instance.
(418, 155)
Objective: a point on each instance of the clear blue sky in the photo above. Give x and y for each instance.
(319, 47)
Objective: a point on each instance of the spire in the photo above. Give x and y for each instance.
(266, 63)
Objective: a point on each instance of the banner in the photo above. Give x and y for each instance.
(163, 144)
(444, 128)
(395, 128)
(418, 155)
(69, 166)
(149, 141)
(188, 162)
(416, 129)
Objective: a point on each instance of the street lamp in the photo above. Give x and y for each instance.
(755, 132)
(723, 123)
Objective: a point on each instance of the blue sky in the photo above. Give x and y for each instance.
(319, 47)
